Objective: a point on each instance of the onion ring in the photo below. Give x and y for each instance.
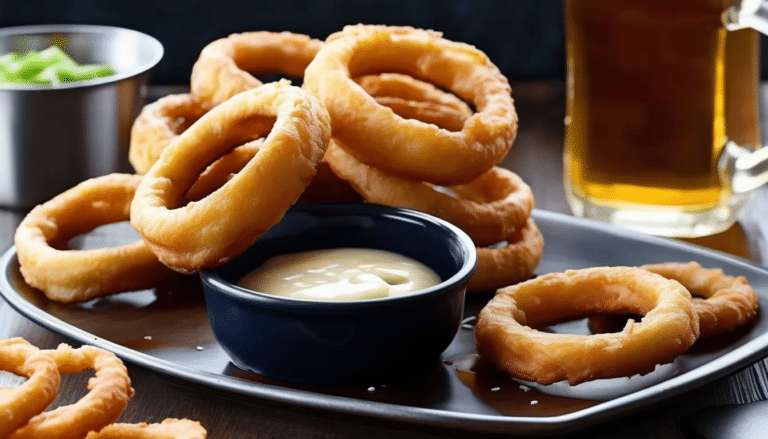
(722, 302)
(165, 119)
(157, 125)
(378, 137)
(505, 332)
(18, 405)
(220, 226)
(108, 395)
(167, 429)
(411, 98)
(489, 209)
(510, 262)
(70, 276)
(222, 69)
(162, 121)
(407, 88)
(436, 114)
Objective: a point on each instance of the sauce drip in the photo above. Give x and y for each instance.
(508, 396)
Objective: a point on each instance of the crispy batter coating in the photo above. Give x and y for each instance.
(514, 260)
(167, 429)
(506, 332)
(108, 395)
(226, 66)
(70, 276)
(489, 209)
(411, 148)
(19, 404)
(722, 302)
(190, 236)
(157, 125)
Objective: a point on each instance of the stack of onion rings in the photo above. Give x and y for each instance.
(722, 302)
(493, 207)
(404, 142)
(69, 276)
(232, 63)
(489, 209)
(506, 330)
(210, 232)
(22, 409)
(494, 210)
(181, 189)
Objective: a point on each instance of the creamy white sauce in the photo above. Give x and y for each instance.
(340, 274)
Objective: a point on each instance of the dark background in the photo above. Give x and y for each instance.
(523, 37)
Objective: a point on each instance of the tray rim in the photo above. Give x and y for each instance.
(729, 363)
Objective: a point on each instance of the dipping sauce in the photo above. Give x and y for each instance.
(340, 274)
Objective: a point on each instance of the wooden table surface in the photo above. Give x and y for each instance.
(537, 157)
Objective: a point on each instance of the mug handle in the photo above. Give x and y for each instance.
(747, 14)
(743, 169)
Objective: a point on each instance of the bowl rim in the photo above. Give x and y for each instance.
(233, 291)
(43, 29)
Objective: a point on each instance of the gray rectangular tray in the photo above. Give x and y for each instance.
(167, 330)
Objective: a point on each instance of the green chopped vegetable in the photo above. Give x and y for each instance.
(49, 66)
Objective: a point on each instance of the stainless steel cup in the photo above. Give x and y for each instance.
(52, 138)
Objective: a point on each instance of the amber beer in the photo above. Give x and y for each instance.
(655, 88)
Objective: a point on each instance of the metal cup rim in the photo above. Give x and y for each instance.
(42, 29)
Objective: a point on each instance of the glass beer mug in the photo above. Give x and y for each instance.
(662, 131)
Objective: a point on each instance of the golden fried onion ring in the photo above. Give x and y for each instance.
(722, 302)
(209, 232)
(379, 137)
(411, 98)
(19, 404)
(509, 262)
(108, 395)
(77, 275)
(157, 125)
(506, 330)
(165, 119)
(162, 121)
(226, 66)
(408, 88)
(489, 209)
(167, 429)
(436, 114)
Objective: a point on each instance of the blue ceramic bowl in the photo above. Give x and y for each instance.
(330, 343)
